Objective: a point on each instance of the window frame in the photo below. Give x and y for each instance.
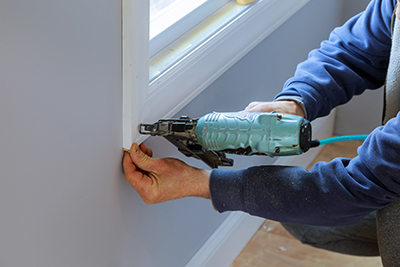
(182, 82)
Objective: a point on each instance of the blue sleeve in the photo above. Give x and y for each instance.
(336, 193)
(354, 58)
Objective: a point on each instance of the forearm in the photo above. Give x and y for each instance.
(293, 195)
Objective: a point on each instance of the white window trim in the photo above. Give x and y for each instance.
(135, 62)
(170, 92)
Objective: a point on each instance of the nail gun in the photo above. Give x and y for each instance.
(210, 137)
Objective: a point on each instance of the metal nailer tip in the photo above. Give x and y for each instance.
(147, 128)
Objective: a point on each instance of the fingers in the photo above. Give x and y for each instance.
(135, 176)
(127, 163)
(141, 159)
(285, 106)
(251, 106)
(146, 150)
(131, 172)
(261, 107)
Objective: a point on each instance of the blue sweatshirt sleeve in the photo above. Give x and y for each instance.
(340, 192)
(354, 58)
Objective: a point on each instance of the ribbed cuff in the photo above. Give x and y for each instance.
(226, 189)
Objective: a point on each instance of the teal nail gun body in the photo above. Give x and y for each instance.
(210, 137)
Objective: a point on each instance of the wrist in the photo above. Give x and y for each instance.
(293, 106)
(297, 109)
(201, 186)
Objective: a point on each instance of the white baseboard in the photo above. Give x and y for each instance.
(227, 241)
(235, 232)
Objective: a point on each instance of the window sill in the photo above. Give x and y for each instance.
(191, 74)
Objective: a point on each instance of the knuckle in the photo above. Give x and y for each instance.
(151, 196)
(144, 160)
(148, 202)
(154, 197)
(128, 178)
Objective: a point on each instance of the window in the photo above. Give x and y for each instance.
(170, 19)
(181, 67)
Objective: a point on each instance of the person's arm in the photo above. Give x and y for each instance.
(336, 193)
(354, 58)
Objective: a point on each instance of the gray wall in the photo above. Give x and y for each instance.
(63, 197)
(363, 113)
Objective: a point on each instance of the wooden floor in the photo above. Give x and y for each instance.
(272, 246)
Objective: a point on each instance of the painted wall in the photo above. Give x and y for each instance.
(63, 197)
(364, 111)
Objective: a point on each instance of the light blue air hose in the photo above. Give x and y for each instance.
(343, 138)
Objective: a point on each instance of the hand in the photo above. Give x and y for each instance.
(285, 106)
(158, 180)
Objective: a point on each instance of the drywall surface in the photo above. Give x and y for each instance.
(63, 197)
(363, 113)
(352, 7)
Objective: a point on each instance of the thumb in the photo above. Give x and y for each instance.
(141, 159)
